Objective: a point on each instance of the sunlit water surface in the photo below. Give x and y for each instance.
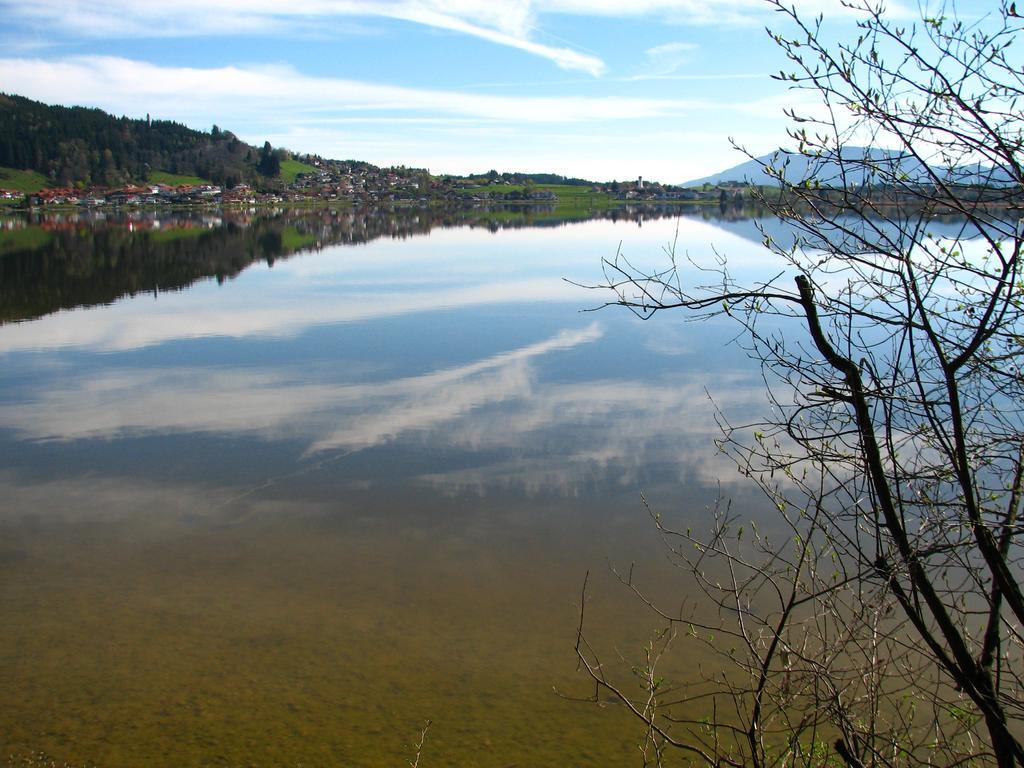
(277, 491)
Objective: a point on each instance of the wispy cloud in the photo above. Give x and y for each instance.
(512, 23)
(528, 430)
(127, 86)
(459, 130)
(513, 35)
(273, 404)
(507, 23)
(127, 325)
(699, 12)
(670, 55)
(663, 61)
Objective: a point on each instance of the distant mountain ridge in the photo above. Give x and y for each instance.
(856, 163)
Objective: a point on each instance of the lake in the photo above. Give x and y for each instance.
(279, 487)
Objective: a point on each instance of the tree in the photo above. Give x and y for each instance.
(424, 182)
(884, 626)
(270, 162)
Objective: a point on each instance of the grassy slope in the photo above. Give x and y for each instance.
(567, 194)
(22, 181)
(292, 168)
(174, 179)
(30, 181)
(571, 196)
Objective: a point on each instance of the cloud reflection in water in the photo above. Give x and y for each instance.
(525, 429)
(462, 349)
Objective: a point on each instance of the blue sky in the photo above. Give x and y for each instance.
(604, 89)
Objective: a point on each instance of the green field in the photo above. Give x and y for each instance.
(492, 188)
(292, 168)
(567, 194)
(175, 179)
(22, 181)
(570, 191)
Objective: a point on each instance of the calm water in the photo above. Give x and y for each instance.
(275, 490)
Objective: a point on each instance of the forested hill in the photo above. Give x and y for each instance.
(77, 144)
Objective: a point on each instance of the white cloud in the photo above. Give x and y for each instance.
(272, 404)
(566, 58)
(127, 325)
(506, 23)
(670, 51)
(127, 86)
(533, 433)
(461, 131)
(698, 12)
(516, 19)
(664, 60)
(621, 429)
(511, 23)
(702, 12)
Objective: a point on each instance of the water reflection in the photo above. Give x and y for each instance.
(285, 517)
(453, 268)
(54, 261)
(533, 429)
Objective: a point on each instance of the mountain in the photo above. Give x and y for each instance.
(79, 145)
(862, 166)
